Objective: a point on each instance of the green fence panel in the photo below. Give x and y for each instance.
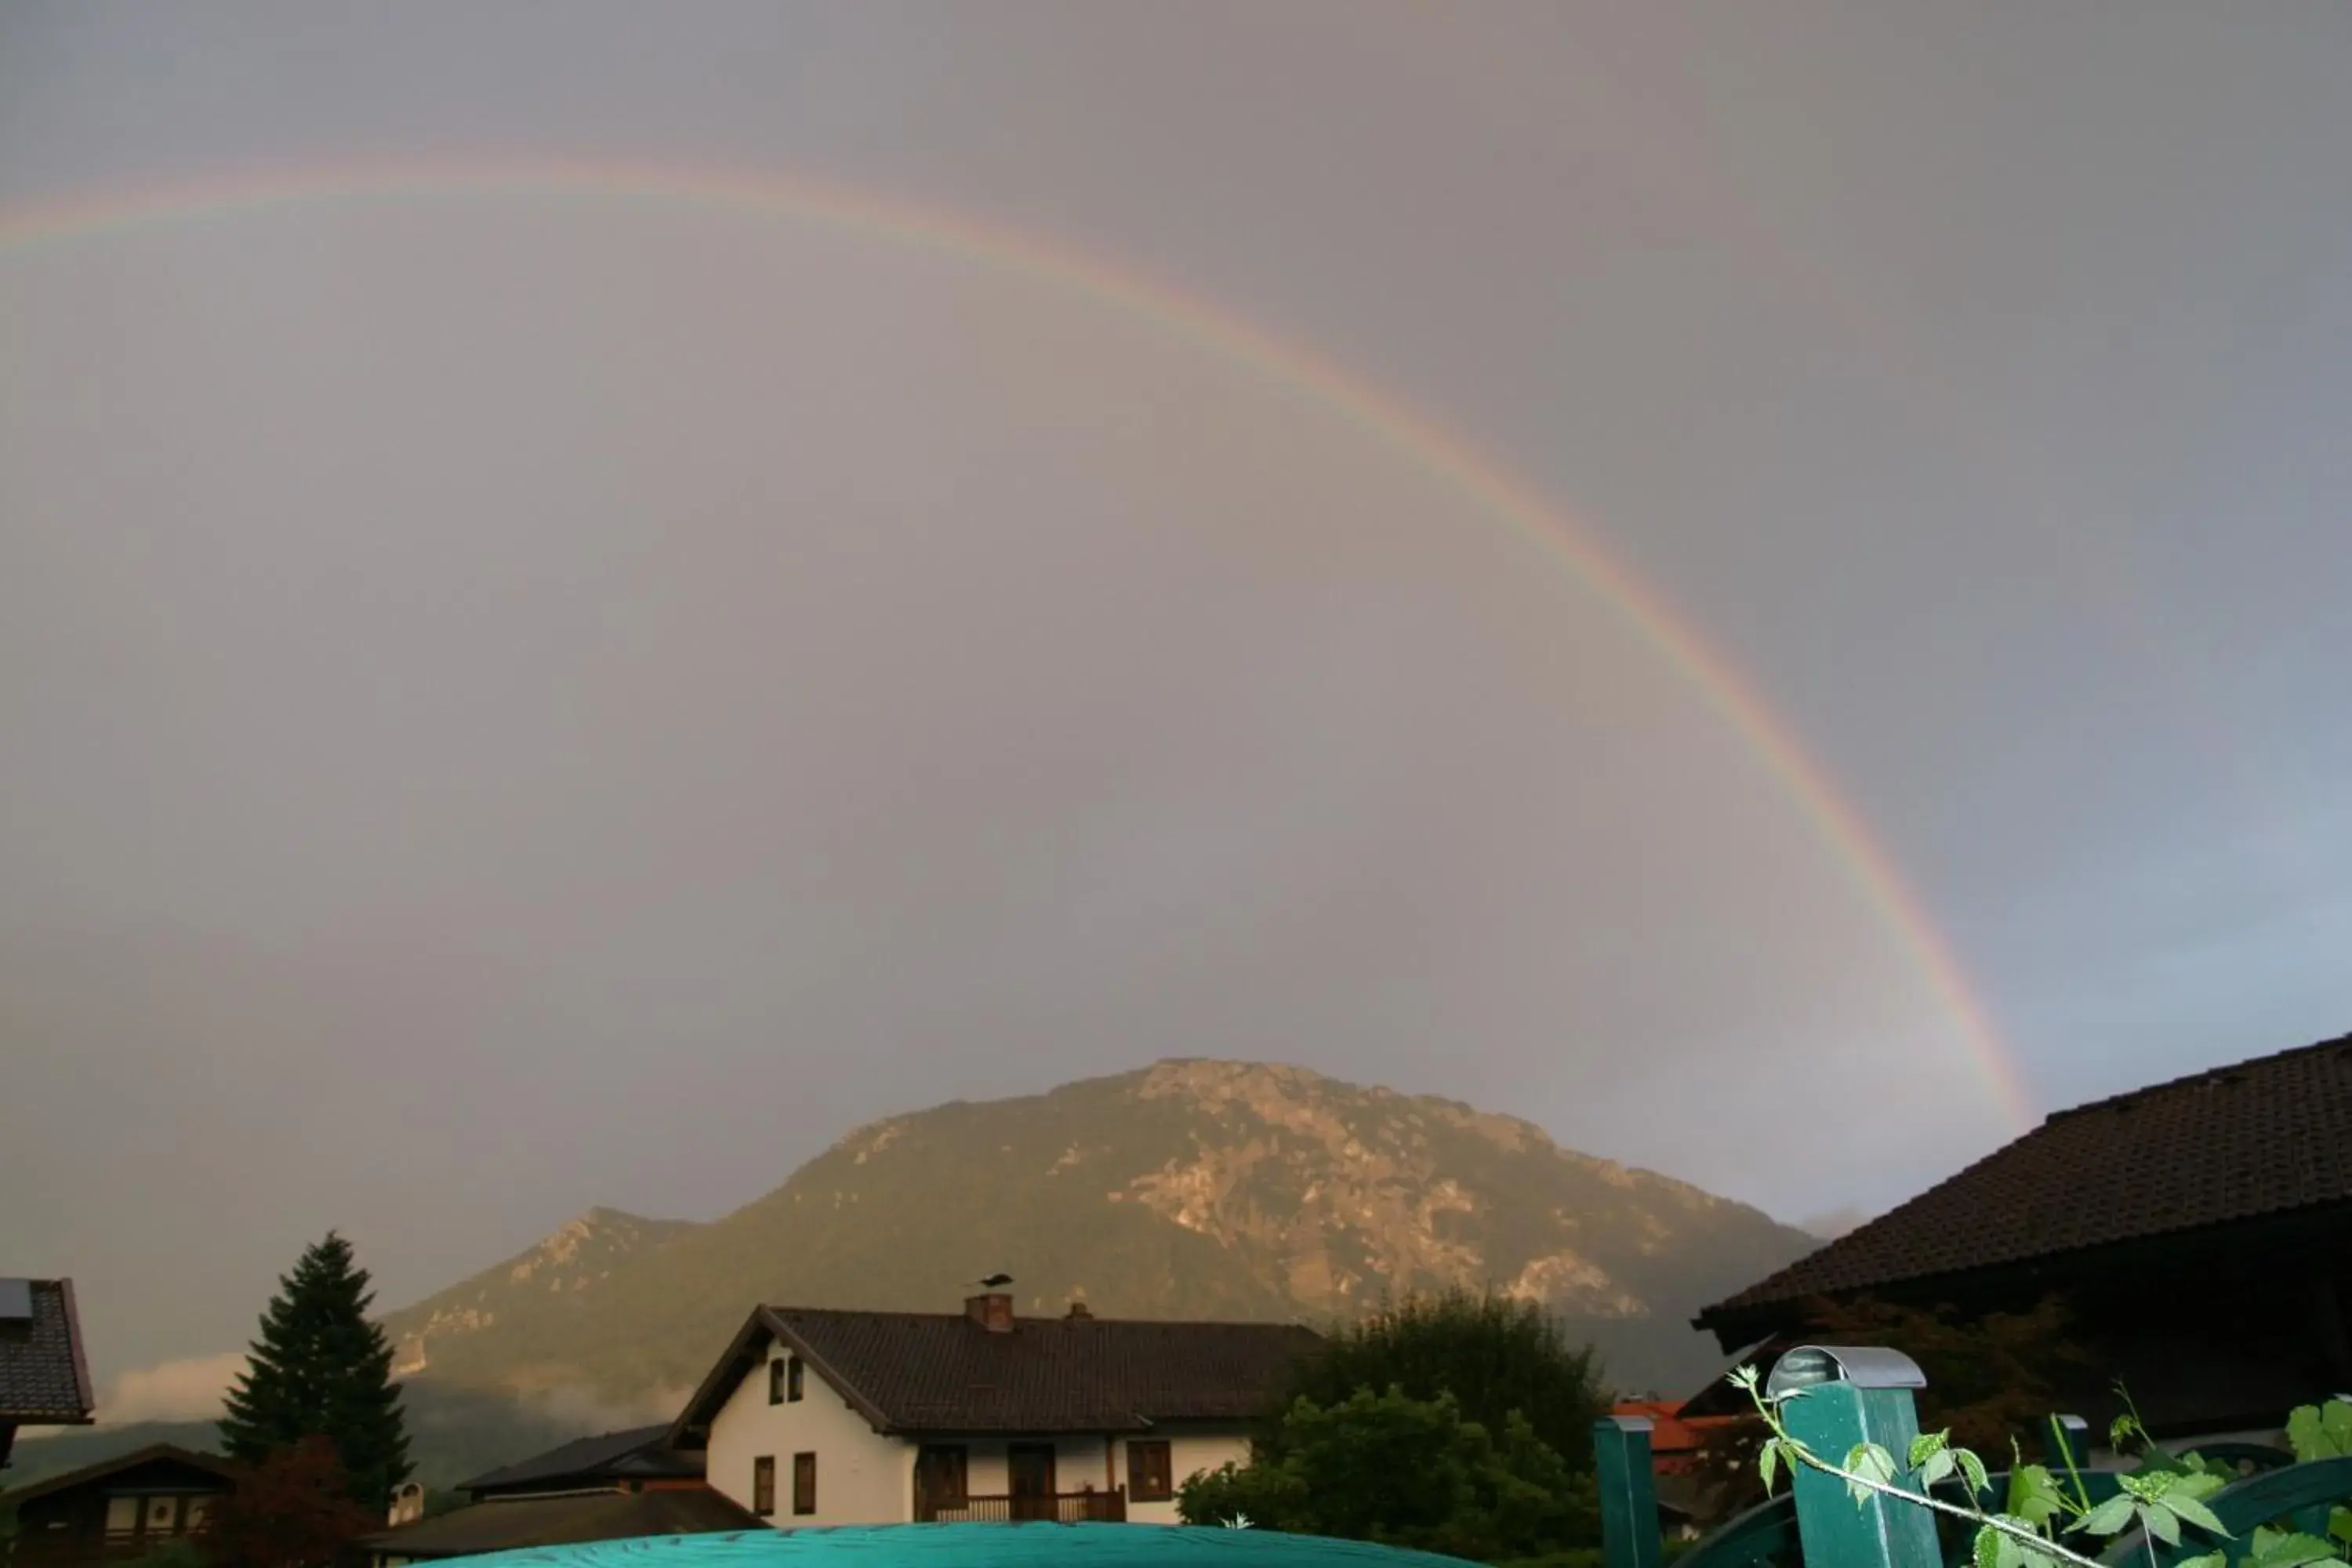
(2297, 1496)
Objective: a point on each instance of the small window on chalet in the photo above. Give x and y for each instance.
(803, 1483)
(1150, 1477)
(764, 1485)
(776, 1381)
(793, 1379)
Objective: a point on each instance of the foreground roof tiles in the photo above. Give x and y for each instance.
(44, 1379)
(2260, 1138)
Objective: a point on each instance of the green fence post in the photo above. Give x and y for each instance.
(1854, 1394)
(1628, 1492)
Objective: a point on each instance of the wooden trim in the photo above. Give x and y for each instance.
(81, 1360)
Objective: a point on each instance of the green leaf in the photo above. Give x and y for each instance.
(2210, 1560)
(2109, 1516)
(1972, 1470)
(1926, 1444)
(2340, 1524)
(2203, 1485)
(2178, 1501)
(1871, 1462)
(1769, 1464)
(2033, 1495)
(2320, 1431)
(2016, 1553)
(1938, 1467)
(2290, 1551)
(1988, 1548)
(2160, 1522)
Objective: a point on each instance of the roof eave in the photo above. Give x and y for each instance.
(734, 1365)
(83, 1388)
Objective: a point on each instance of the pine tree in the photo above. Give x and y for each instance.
(321, 1369)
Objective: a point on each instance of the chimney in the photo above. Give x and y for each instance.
(993, 1312)
(1078, 1311)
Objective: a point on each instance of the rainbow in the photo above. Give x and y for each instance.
(1379, 412)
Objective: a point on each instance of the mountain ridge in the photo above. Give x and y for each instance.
(1195, 1186)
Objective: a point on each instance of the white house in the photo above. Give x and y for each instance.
(822, 1417)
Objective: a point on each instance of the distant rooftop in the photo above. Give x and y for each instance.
(641, 1452)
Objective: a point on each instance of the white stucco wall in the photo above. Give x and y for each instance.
(1189, 1452)
(861, 1477)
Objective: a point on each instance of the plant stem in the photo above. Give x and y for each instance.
(2033, 1538)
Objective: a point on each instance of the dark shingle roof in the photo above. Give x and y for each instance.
(642, 1451)
(167, 1458)
(2260, 1138)
(44, 1380)
(924, 1371)
(506, 1523)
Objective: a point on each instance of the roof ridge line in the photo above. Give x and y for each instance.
(2219, 1070)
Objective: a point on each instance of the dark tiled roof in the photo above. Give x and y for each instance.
(44, 1381)
(922, 1371)
(169, 1456)
(506, 1523)
(640, 1452)
(2262, 1138)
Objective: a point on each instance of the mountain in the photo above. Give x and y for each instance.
(539, 1298)
(1189, 1189)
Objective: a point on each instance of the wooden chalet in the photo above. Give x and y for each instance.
(117, 1509)
(2199, 1230)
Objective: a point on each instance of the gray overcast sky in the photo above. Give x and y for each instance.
(513, 701)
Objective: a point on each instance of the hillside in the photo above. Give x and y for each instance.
(454, 1433)
(1188, 1189)
(539, 1298)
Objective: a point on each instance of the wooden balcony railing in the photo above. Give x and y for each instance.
(1055, 1508)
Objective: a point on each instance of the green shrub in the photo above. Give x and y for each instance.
(1404, 1472)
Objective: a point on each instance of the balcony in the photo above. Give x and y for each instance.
(1052, 1508)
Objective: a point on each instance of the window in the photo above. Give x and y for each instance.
(764, 1485)
(775, 1382)
(1148, 1472)
(803, 1483)
(793, 1379)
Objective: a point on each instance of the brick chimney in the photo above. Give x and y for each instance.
(993, 1312)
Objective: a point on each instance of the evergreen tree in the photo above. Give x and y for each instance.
(321, 1369)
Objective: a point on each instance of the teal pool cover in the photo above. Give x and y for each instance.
(970, 1546)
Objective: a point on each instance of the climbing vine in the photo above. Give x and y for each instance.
(2040, 1512)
